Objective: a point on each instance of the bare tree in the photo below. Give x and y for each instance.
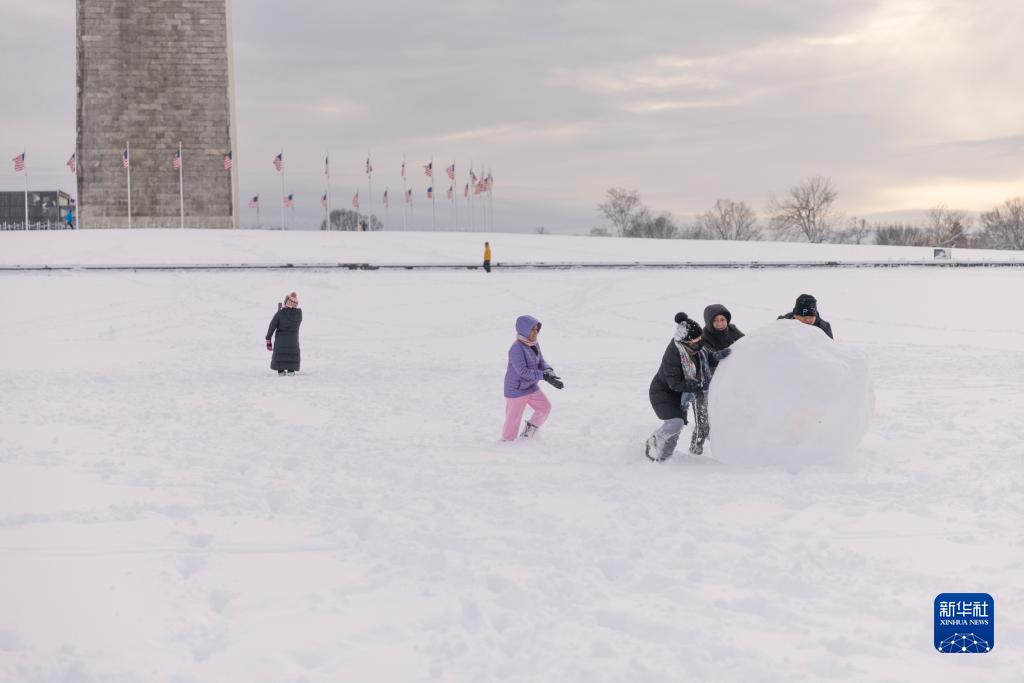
(622, 208)
(694, 231)
(948, 227)
(1003, 226)
(856, 231)
(728, 220)
(346, 219)
(599, 232)
(807, 212)
(902, 235)
(662, 226)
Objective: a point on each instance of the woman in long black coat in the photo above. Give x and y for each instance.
(286, 347)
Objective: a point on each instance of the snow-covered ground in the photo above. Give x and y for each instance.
(153, 247)
(171, 510)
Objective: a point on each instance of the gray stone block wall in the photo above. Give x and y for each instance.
(153, 73)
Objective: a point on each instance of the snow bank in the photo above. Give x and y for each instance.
(216, 247)
(790, 397)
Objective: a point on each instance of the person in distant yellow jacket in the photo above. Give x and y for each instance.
(487, 256)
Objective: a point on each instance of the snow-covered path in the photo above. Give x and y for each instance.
(170, 510)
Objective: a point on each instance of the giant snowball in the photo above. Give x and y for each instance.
(789, 397)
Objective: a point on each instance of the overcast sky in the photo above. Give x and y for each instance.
(905, 104)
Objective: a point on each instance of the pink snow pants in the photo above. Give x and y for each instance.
(514, 408)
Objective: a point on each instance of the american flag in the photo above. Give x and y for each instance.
(478, 187)
(19, 163)
(428, 170)
(430, 192)
(289, 201)
(385, 197)
(279, 161)
(472, 176)
(403, 168)
(176, 161)
(465, 193)
(323, 201)
(451, 194)
(408, 196)
(355, 200)
(254, 203)
(450, 171)
(228, 161)
(124, 158)
(369, 167)
(72, 163)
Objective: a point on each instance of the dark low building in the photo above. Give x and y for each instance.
(46, 210)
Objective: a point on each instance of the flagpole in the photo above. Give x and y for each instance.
(257, 213)
(282, 188)
(327, 170)
(78, 197)
(433, 196)
(24, 160)
(369, 175)
(181, 185)
(455, 194)
(405, 203)
(387, 209)
(128, 150)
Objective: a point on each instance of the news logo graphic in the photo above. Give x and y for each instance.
(965, 623)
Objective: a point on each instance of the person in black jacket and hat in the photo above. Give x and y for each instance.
(682, 379)
(806, 311)
(285, 325)
(719, 332)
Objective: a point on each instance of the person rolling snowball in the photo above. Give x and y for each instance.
(682, 378)
(806, 311)
(526, 368)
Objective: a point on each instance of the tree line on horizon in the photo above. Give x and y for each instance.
(808, 213)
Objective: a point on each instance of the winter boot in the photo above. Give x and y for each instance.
(658, 450)
(529, 430)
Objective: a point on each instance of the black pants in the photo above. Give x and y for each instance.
(702, 429)
(487, 265)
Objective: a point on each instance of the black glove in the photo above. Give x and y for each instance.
(724, 353)
(554, 380)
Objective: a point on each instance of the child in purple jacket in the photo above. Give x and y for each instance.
(526, 368)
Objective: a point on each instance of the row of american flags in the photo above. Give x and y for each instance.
(476, 184)
(481, 184)
(72, 162)
(289, 199)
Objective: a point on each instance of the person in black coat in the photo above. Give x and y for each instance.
(285, 325)
(719, 332)
(806, 311)
(682, 378)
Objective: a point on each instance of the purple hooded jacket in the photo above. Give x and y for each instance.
(526, 364)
